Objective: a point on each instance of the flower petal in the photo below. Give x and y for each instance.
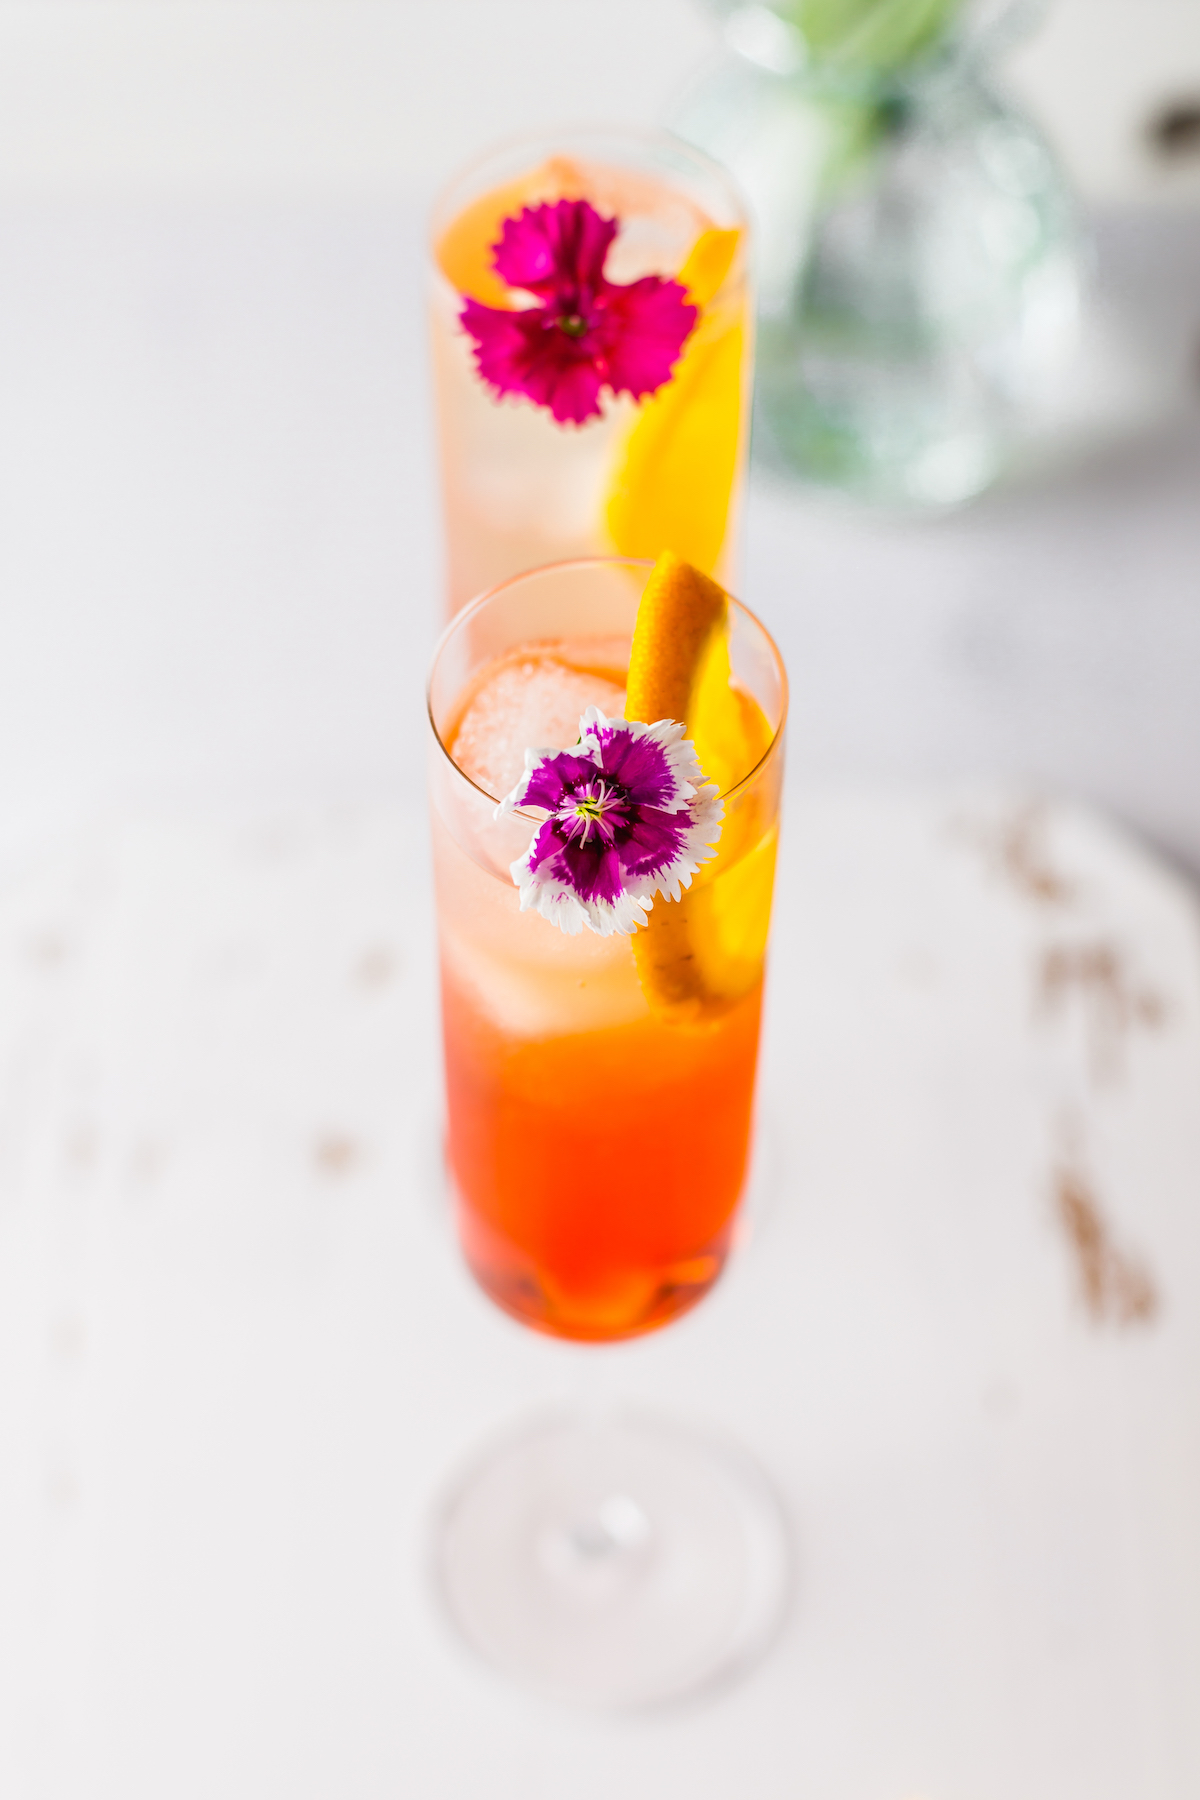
(556, 900)
(554, 250)
(646, 327)
(642, 766)
(588, 334)
(570, 386)
(656, 841)
(604, 874)
(544, 850)
(543, 768)
(656, 762)
(526, 353)
(553, 777)
(593, 871)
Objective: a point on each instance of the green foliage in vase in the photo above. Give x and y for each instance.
(869, 34)
(864, 49)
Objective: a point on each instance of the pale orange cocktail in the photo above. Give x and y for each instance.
(599, 1088)
(650, 455)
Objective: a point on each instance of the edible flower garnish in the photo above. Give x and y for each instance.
(628, 815)
(583, 333)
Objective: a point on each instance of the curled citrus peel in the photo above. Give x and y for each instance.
(700, 954)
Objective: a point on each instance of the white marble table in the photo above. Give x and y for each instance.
(237, 1352)
(240, 1355)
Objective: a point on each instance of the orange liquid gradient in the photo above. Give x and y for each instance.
(598, 1173)
(599, 1089)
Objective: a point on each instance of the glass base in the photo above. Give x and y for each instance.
(613, 1563)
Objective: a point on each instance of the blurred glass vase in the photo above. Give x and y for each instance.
(919, 257)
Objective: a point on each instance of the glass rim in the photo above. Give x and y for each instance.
(650, 136)
(560, 568)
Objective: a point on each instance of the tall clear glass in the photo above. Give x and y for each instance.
(600, 1097)
(643, 473)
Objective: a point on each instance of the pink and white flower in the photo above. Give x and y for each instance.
(628, 815)
(583, 333)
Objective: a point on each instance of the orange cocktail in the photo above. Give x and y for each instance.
(600, 1087)
(592, 351)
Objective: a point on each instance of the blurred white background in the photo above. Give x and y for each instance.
(220, 555)
(319, 95)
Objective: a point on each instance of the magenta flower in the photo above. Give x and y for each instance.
(629, 815)
(584, 333)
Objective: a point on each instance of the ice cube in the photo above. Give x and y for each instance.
(527, 702)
